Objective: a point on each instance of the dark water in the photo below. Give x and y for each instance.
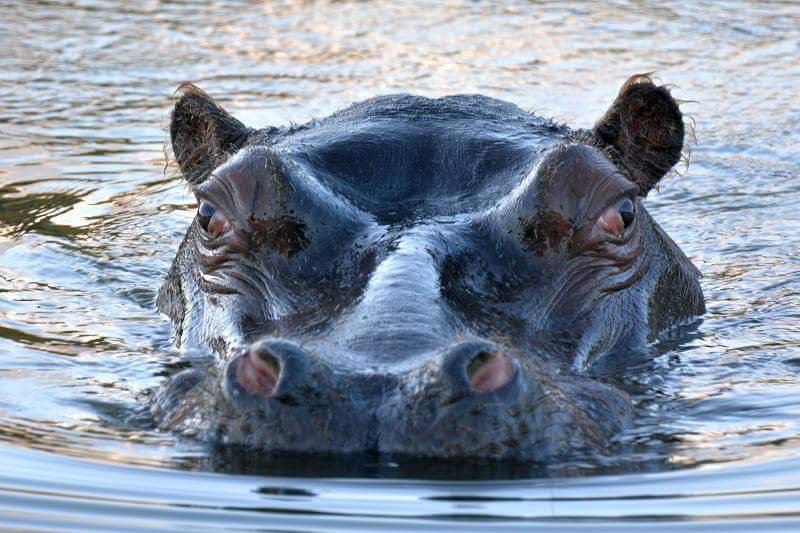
(89, 223)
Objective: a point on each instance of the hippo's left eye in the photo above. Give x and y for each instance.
(211, 219)
(618, 217)
(627, 211)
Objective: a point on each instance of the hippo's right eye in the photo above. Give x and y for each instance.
(211, 220)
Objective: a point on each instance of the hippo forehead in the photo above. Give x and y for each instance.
(397, 155)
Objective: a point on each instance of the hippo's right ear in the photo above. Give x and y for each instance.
(202, 133)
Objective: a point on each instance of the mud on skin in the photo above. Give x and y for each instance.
(433, 277)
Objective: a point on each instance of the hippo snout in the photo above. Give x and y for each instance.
(277, 368)
(294, 395)
(472, 398)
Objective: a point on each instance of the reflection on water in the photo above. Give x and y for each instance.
(89, 224)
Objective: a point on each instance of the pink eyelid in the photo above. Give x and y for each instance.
(217, 225)
(611, 221)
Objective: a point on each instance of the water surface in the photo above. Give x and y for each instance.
(89, 222)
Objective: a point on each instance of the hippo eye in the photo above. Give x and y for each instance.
(204, 213)
(211, 220)
(627, 211)
(617, 218)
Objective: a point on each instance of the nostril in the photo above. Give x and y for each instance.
(489, 370)
(258, 372)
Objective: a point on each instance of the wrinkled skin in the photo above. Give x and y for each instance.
(417, 276)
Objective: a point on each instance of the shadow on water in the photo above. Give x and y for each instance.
(242, 461)
(33, 213)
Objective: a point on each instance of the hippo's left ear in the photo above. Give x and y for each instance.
(644, 127)
(202, 133)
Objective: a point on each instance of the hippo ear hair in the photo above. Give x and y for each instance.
(202, 134)
(644, 128)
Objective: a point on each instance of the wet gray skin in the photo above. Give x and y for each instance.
(434, 277)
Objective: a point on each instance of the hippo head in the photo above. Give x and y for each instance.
(434, 277)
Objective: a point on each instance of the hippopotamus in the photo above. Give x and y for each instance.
(426, 277)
